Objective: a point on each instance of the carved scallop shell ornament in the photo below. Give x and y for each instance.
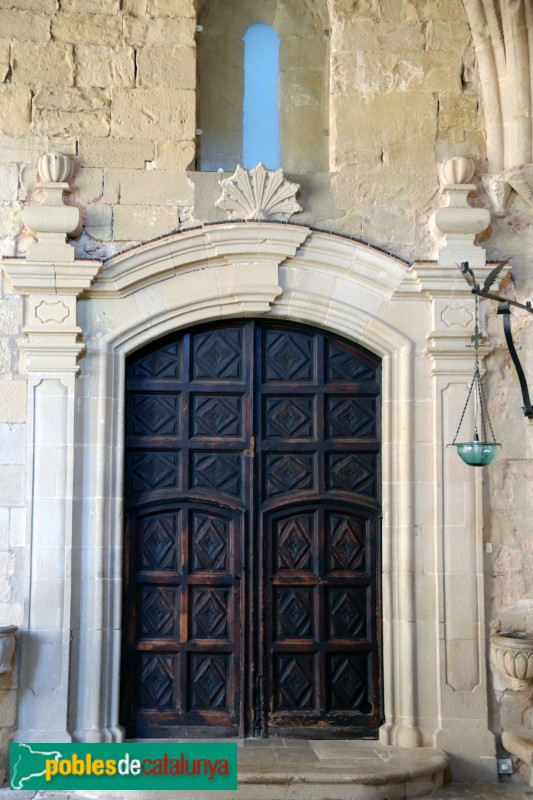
(258, 194)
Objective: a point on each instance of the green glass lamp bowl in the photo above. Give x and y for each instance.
(478, 454)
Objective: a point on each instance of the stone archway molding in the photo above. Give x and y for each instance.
(418, 320)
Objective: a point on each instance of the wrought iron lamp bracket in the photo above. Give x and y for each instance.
(504, 304)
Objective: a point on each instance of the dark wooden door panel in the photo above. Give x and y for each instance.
(251, 600)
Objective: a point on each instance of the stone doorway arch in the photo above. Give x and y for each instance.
(415, 319)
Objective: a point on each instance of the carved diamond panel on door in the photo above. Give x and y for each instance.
(251, 602)
(188, 491)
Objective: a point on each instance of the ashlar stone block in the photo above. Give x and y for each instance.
(104, 66)
(175, 155)
(15, 110)
(117, 153)
(89, 183)
(11, 311)
(4, 60)
(172, 67)
(152, 187)
(12, 484)
(448, 35)
(171, 8)
(365, 34)
(100, 29)
(134, 8)
(91, 6)
(12, 444)
(99, 221)
(13, 401)
(8, 189)
(72, 112)
(166, 31)
(137, 223)
(158, 114)
(40, 6)
(6, 357)
(39, 64)
(24, 26)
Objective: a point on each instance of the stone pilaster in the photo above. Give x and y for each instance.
(51, 351)
(453, 545)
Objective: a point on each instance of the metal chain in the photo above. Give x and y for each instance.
(464, 409)
(477, 384)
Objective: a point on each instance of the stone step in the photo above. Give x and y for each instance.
(291, 769)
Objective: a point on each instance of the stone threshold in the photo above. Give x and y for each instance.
(292, 769)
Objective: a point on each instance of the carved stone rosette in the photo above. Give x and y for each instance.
(258, 194)
(512, 655)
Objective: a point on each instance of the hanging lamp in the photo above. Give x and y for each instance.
(477, 452)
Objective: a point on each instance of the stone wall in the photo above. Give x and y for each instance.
(113, 84)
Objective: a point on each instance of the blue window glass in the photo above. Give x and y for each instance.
(261, 105)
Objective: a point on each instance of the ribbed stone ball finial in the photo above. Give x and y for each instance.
(55, 168)
(458, 169)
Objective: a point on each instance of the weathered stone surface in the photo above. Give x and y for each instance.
(364, 34)
(38, 6)
(135, 8)
(169, 31)
(73, 112)
(175, 155)
(8, 188)
(171, 8)
(100, 29)
(11, 312)
(13, 401)
(458, 110)
(15, 110)
(6, 357)
(25, 26)
(8, 707)
(370, 73)
(158, 114)
(173, 67)
(136, 223)
(39, 64)
(12, 444)
(148, 187)
(4, 60)
(91, 6)
(12, 483)
(427, 10)
(104, 66)
(89, 183)
(385, 121)
(99, 221)
(17, 527)
(449, 36)
(119, 153)
(22, 150)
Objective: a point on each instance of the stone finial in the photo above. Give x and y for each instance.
(55, 168)
(258, 194)
(457, 170)
(456, 225)
(52, 221)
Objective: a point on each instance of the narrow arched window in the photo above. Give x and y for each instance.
(260, 118)
(263, 77)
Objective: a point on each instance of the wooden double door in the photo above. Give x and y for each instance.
(252, 487)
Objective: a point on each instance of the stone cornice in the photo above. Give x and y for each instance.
(37, 277)
(428, 279)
